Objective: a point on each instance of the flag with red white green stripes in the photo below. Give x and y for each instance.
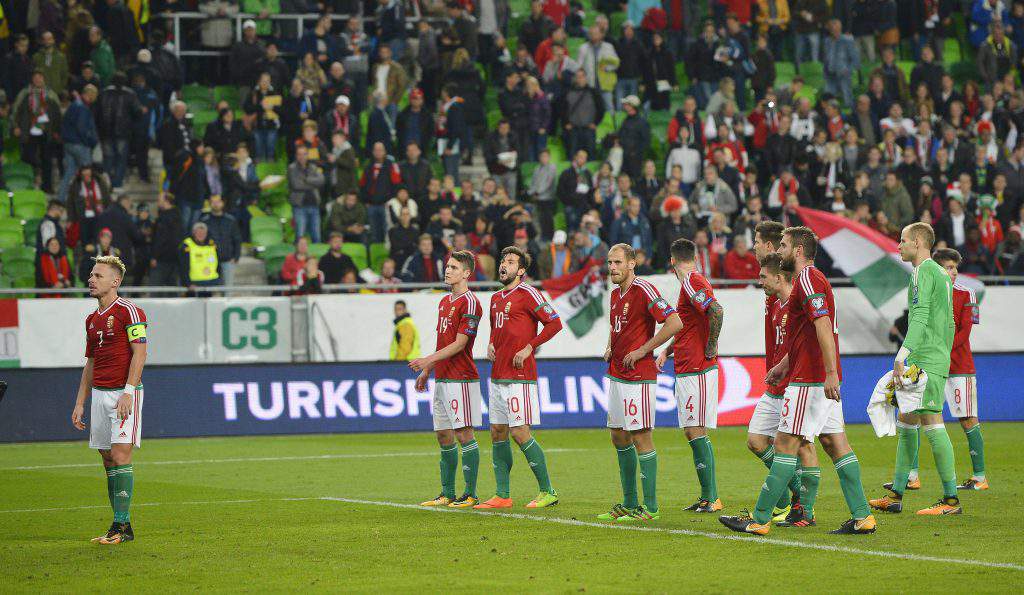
(578, 298)
(870, 258)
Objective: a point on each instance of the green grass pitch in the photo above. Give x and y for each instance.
(277, 514)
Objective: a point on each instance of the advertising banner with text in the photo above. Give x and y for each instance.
(334, 398)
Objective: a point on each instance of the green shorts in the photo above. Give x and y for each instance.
(934, 395)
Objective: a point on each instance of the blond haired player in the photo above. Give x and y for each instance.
(115, 351)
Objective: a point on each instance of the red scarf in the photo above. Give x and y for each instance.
(92, 196)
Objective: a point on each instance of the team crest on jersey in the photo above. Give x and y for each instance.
(110, 323)
(625, 308)
(472, 323)
(817, 302)
(508, 307)
(784, 318)
(547, 309)
(451, 312)
(700, 297)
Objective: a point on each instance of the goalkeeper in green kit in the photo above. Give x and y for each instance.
(928, 345)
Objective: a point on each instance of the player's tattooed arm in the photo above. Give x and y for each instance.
(715, 317)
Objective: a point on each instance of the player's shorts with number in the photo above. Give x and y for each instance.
(513, 404)
(767, 415)
(106, 427)
(806, 412)
(457, 405)
(962, 395)
(631, 405)
(697, 399)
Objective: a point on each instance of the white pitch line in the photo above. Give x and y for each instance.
(725, 536)
(324, 457)
(574, 523)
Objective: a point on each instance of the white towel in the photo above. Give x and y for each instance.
(881, 412)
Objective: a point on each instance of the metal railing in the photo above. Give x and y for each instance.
(175, 291)
(300, 21)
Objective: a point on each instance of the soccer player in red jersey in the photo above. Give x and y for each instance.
(513, 402)
(458, 402)
(695, 350)
(962, 384)
(764, 423)
(115, 351)
(636, 308)
(810, 406)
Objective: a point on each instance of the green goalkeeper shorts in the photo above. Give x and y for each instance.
(934, 394)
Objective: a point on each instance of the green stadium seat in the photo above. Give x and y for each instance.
(318, 250)
(20, 183)
(5, 283)
(282, 210)
(30, 228)
(20, 269)
(17, 168)
(357, 252)
(378, 254)
(11, 233)
(25, 282)
(276, 250)
(18, 253)
(266, 237)
(265, 222)
(270, 168)
(227, 93)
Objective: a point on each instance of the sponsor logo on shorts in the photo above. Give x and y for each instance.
(701, 466)
(121, 494)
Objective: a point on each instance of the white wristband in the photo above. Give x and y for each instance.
(128, 388)
(902, 354)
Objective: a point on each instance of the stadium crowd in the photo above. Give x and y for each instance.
(639, 123)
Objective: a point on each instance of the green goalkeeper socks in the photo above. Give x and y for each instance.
(449, 462)
(810, 477)
(907, 447)
(470, 465)
(501, 456)
(627, 475)
(848, 468)
(977, 448)
(124, 484)
(942, 450)
(774, 486)
(704, 463)
(649, 478)
(538, 463)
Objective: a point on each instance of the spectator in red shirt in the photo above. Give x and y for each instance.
(52, 269)
(309, 279)
(295, 262)
(740, 262)
(543, 53)
(556, 10)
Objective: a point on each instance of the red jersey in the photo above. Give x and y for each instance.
(695, 297)
(965, 315)
(810, 300)
(634, 314)
(777, 312)
(514, 317)
(457, 314)
(109, 334)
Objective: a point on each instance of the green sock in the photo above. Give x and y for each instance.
(907, 441)
(449, 462)
(766, 457)
(704, 463)
(124, 482)
(649, 478)
(470, 465)
(915, 466)
(538, 464)
(810, 477)
(942, 450)
(501, 456)
(110, 486)
(848, 468)
(782, 471)
(976, 444)
(627, 475)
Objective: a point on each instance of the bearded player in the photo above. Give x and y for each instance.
(513, 403)
(928, 344)
(764, 423)
(458, 403)
(695, 351)
(636, 308)
(115, 351)
(810, 404)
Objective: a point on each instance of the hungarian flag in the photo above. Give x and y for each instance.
(578, 298)
(870, 258)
